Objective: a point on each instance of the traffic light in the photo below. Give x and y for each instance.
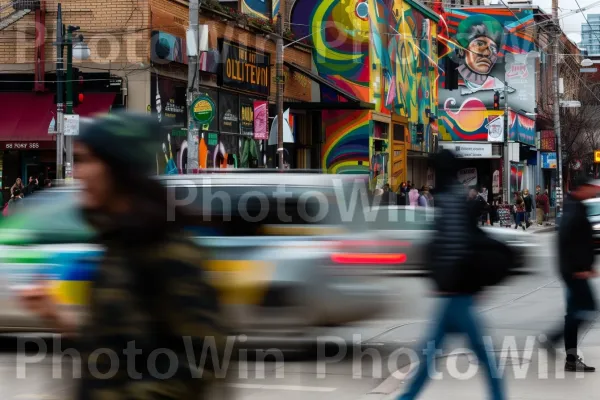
(78, 96)
(496, 101)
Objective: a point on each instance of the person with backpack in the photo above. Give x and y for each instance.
(460, 270)
(151, 288)
(576, 261)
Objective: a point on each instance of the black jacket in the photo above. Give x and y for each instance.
(575, 240)
(450, 253)
(528, 203)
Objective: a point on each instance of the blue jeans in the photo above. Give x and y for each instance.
(457, 315)
(519, 218)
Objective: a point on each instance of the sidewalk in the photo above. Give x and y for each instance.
(535, 228)
(527, 377)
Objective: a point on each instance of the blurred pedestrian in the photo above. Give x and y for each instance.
(413, 196)
(458, 247)
(528, 207)
(401, 195)
(425, 199)
(13, 204)
(547, 208)
(519, 206)
(388, 197)
(541, 202)
(17, 185)
(151, 289)
(32, 186)
(576, 257)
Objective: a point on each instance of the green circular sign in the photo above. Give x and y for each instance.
(203, 110)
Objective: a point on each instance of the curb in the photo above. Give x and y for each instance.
(545, 229)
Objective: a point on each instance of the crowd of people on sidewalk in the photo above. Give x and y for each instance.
(407, 195)
(18, 191)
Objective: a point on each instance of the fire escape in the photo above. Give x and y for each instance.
(16, 10)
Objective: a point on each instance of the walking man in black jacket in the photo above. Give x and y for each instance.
(576, 260)
(459, 273)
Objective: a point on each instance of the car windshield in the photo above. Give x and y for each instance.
(46, 216)
(593, 208)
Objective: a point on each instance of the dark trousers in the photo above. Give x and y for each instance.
(457, 315)
(581, 307)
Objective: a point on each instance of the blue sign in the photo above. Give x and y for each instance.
(549, 160)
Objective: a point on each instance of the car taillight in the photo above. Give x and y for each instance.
(368, 258)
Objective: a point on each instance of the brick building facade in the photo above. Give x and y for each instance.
(137, 48)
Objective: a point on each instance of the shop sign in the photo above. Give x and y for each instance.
(229, 109)
(468, 150)
(213, 139)
(597, 156)
(203, 110)
(467, 176)
(28, 145)
(243, 68)
(549, 161)
(247, 116)
(547, 141)
(261, 120)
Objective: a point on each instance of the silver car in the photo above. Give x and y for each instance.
(407, 230)
(278, 277)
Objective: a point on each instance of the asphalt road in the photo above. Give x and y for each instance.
(358, 359)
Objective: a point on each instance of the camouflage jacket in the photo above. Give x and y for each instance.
(153, 319)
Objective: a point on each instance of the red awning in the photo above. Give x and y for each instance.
(95, 103)
(26, 116)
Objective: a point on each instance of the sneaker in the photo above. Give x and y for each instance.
(578, 366)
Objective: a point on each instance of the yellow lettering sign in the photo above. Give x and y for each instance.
(597, 156)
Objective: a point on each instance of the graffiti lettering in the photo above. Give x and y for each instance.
(518, 71)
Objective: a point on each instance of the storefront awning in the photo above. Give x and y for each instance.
(26, 116)
(352, 103)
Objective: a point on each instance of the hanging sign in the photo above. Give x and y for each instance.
(261, 120)
(203, 110)
(467, 176)
(496, 182)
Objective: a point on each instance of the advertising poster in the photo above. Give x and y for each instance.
(496, 182)
(467, 176)
(549, 161)
(247, 118)
(229, 113)
(261, 120)
(214, 96)
(516, 178)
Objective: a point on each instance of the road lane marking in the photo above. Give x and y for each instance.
(288, 388)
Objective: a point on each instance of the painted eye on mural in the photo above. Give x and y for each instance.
(362, 10)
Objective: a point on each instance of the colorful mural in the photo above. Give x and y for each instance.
(346, 148)
(260, 8)
(382, 52)
(491, 46)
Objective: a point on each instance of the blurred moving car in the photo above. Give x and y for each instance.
(593, 211)
(282, 250)
(411, 227)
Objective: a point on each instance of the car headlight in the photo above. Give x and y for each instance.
(596, 227)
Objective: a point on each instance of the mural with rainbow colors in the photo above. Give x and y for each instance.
(263, 9)
(382, 52)
(489, 46)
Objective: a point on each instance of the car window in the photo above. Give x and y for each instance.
(400, 218)
(247, 208)
(593, 208)
(50, 216)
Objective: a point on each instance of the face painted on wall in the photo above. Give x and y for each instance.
(481, 55)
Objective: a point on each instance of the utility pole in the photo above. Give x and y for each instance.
(556, 104)
(69, 139)
(506, 177)
(193, 86)
(280, 88)
(59, 94)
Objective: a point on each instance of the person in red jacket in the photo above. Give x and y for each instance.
(542, 205)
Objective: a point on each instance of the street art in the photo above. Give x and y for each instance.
(256, 8)
(489, 49)
(346, 148)
(382, 52)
